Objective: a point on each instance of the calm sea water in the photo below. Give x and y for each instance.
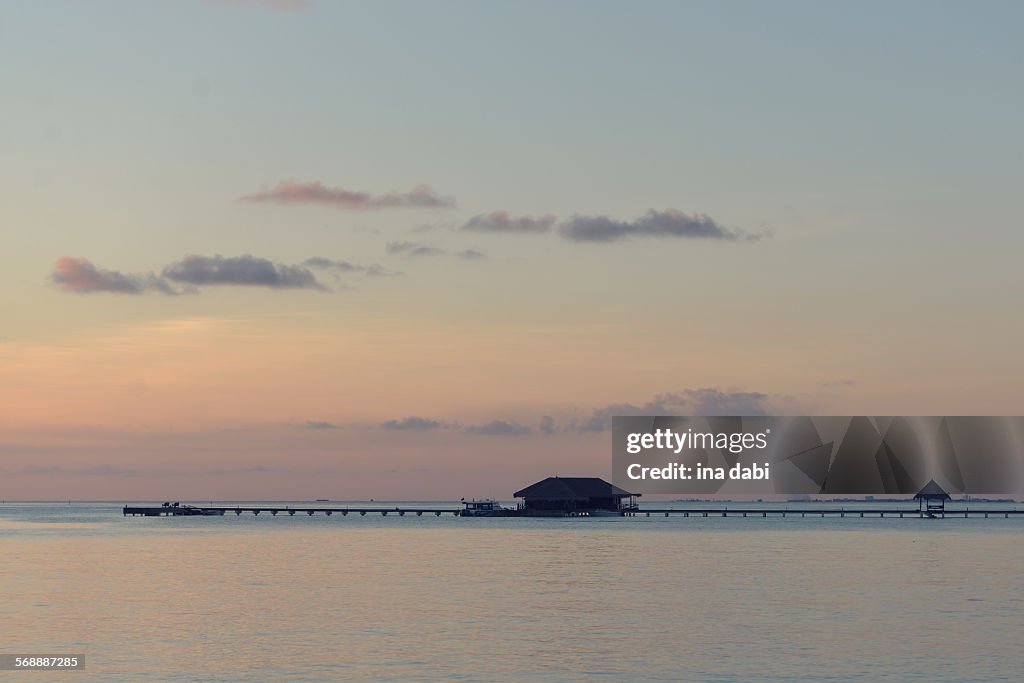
(451, 599)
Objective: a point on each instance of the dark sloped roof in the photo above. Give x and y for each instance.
(572, 488)
(932, 490)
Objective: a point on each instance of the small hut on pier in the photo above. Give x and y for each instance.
(932, 499)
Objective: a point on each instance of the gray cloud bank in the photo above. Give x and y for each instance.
(706, 401)
(81, 276)
(670, 223)
(412, 423)
(499, 428)
(244, 270)
(320, 424)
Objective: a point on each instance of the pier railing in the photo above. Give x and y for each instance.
(714, 511)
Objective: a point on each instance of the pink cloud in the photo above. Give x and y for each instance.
(315, 192)
(80, 276)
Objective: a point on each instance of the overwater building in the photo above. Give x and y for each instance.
(575, 496)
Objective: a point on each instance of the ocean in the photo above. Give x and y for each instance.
(244, 598)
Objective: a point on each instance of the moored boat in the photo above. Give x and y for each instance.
(484, 508)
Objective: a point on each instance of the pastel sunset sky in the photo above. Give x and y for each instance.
(307, 249)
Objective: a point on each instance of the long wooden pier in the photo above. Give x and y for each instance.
(965, 513)
(189, 511)
(822, 512)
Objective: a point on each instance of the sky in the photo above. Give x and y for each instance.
(290, 249)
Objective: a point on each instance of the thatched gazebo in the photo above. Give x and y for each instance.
(932, 499)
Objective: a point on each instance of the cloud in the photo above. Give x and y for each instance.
(412, 424)
(838, 384)
(111, 471)
(420, 249)
(547, 425)
(315, 192)
(244, 270)
(377, 270)
(668, 223)
(501, 221)
(80, 276)
(431, 227)
(317, 424)
(584, 228)
(412, 249)
(499, 428)
(706, 401)
(709, 401)
(332, 265)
